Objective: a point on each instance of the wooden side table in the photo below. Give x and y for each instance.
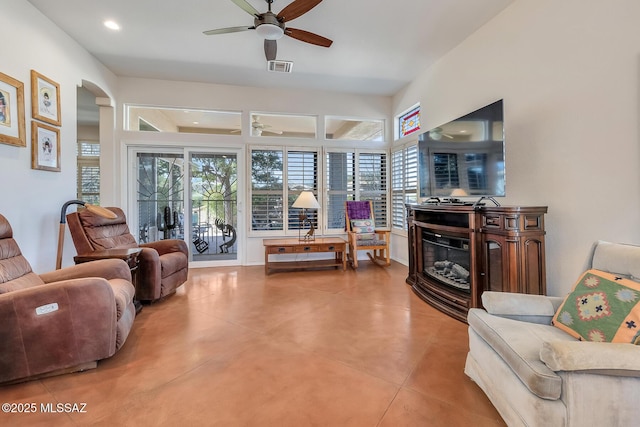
(296, 246)
(129, 255)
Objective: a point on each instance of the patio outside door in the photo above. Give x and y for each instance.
(214, 206)
(159, 196)
(207, 219)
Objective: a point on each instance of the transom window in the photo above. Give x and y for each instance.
(283, 125)
(182, 120)
(409, 122)
(354, 129)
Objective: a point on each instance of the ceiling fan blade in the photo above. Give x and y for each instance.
(296, 9)
(270, 49)
(228, 30)
(308, 37)
(242, 4)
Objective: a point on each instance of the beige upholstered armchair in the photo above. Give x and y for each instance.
(62, 321)
(163, 265)
(536, 374)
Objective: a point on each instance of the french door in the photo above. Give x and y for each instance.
(192, 195)
(213, 190)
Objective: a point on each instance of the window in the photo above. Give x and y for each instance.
(355, 175)
(266, 190)
(373, 183)
(283, 125)
(302, 175)
(181, 120)
(409, 122)
(341, 185)
(88, 181)
(270, 169)
(404, 183)
(354, 129)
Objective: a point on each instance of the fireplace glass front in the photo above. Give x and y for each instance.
(446, 259)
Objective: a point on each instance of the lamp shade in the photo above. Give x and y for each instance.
(306, 200)
(459, 192)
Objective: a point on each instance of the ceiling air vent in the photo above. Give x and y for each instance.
(280, 66)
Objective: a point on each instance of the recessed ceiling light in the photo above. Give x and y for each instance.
(196, 123)
(112, 25)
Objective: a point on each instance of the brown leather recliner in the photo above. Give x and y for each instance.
(62, 321)
(163, 265)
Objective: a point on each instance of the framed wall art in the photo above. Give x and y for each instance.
(45, 147)
(45, 99)
(12, 127)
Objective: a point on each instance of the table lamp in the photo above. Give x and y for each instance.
(103, 212)
(306, 200)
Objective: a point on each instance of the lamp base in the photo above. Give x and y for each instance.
(309, 235)
(306, 237)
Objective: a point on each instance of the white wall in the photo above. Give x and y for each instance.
(568, 72)
(88, 133)
(32, 199)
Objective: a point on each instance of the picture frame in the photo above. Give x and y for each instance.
(45, 147)
(12, 123)
(45, 99)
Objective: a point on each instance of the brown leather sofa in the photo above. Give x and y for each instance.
(163, 265)
(62, 321)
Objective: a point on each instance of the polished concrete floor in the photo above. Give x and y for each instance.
(234, 347)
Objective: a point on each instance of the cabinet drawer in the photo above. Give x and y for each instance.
(492, 221)
(306, 248)
(280, 249)
(330, 247)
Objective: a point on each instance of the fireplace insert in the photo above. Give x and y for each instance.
(447, 260)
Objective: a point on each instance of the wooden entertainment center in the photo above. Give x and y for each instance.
(458, 251)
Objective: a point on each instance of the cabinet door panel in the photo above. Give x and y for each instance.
(533, 268)
(493, 265)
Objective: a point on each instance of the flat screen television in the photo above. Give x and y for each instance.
(464, 157)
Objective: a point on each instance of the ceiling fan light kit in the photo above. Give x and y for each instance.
(268, 26)
(272, 27)
(270, 31)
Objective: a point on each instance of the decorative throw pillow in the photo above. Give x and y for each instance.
(365, 236)
(602, 307)
(362, 226)
(364, 229)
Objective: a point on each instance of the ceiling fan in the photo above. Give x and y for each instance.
(272, 27)
(258, 128)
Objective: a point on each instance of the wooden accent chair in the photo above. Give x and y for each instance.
(362, 234)
(163, 265)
